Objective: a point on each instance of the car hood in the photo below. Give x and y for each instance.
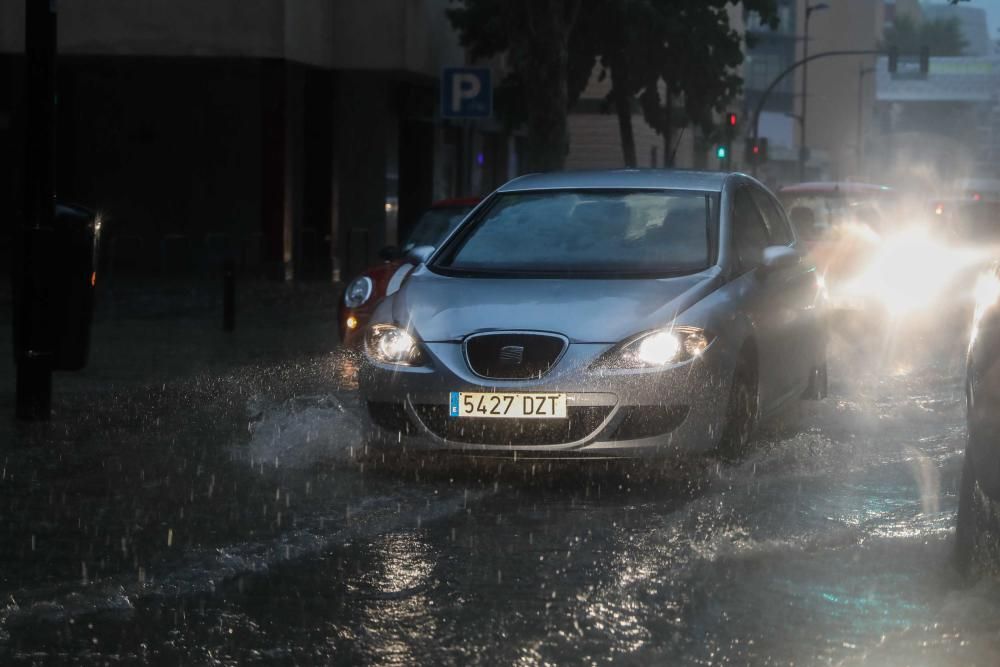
(441, 309)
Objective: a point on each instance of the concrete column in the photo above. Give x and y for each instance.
(294, 159)
(362, 112)
(282, 150)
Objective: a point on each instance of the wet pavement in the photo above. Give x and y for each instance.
(211, 502)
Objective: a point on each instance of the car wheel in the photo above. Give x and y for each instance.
(741, 414)
(819, 384)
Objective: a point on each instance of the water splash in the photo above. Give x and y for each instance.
(303, 431)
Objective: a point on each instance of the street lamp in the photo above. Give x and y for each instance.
(819, 6)
(862, 73)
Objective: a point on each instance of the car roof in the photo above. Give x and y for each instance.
(67, 208)
(831, 187)
(621, 179)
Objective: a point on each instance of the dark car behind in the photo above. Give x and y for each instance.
(978, 533)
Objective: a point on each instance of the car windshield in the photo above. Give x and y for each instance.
(586, 233)
(816, 216)
(434, 225)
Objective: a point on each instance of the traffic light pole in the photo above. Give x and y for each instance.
(791, 68)
(34, 338)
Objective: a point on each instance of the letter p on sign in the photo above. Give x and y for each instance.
(466, 92)
(464, 86)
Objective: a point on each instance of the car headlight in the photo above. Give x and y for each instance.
(358, 292)
(658, 348)
(389, 344)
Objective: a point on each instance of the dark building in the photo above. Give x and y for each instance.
(768, 53)
(298, 137)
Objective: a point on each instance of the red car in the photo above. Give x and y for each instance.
(367, 289)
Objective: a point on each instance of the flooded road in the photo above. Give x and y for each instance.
(237, 519)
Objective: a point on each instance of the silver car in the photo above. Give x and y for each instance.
(613, 313)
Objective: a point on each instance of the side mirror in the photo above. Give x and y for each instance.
(778, 257)
(420, 254)
(388, 253)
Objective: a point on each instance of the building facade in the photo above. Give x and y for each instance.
(839, 90)
(298, 137)
(932, 130)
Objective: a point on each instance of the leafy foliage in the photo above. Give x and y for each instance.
(534, 36)
(679, 59)
(942, 36)
(656, 51)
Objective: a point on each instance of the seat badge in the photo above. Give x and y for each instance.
(512, 355)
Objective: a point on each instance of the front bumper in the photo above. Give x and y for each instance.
(611, 413)
(354, 338)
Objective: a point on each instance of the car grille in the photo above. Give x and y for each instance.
(513, 356)
(642, 421)
(580, 422)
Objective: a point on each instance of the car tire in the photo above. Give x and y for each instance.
(741, 414)
(819, 384)
(965, 526)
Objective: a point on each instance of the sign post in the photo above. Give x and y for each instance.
(466, 92)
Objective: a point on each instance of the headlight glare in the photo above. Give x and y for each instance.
(695, 343)
(658, 348)
(389, 344)
(358, 292)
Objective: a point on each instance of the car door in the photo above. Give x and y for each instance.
(765, 300)
(805, 334)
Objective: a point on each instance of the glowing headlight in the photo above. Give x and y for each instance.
(910, 272)
(659, 348)
(358, 292)
(987, 291)
(390, 344)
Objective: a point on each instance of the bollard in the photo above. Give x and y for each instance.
(228, 295)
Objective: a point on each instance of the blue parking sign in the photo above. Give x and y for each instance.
(466, 92)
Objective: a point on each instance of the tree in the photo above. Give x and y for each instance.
(604, 35)
(677, 57)
(535, 36)
(686, 47)
(942, 36)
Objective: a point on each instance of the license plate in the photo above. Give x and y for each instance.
(510, 406)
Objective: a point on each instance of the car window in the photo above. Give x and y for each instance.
(777, 226)
(749, 230)
(434, 225)
(580, 233)
(822, 216)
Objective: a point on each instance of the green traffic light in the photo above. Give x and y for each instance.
(720, 152)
